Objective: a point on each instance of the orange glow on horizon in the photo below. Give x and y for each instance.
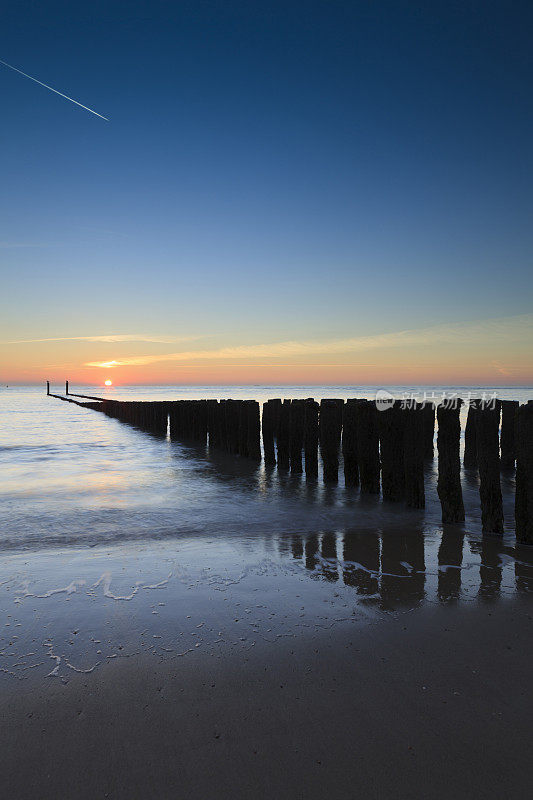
(108, 382)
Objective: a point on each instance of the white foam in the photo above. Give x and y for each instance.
(105, 581)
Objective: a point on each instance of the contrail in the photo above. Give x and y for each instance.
(53, 90)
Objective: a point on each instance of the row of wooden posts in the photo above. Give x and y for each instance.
(383, 450)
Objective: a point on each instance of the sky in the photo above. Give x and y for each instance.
(282, 192)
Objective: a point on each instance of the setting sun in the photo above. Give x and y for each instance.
(108, 382)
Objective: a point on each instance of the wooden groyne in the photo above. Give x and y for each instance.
(382, 450)
(449, 480)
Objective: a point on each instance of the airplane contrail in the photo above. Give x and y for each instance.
(52, 90)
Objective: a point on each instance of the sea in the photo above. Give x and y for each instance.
(116, 542)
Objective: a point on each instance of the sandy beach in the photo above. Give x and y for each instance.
(428, 703)
(176, 625)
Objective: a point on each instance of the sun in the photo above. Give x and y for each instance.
(108, 383)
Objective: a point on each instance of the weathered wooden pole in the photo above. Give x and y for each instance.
(202, 421)
(524, 476)
(223, 425)
(223, 422)
(66, 387)
(330, 426)
(243, 428)
(470, 454)
(191, 422)
(253, 430)
(349, 444)
(311, 438)
(232, 425)
(284, 435)
(391, 443)
(296, 434)
(449, 480)
(276, 410)
(267, 430)
(159, 422)
(414, 455)
(429, 427)
(508, 433)
(211, 422)
(368, 446)
(488, 458)
(48, 387)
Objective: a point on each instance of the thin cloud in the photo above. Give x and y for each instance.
(17, 245)
(500, 330)
(111, 337)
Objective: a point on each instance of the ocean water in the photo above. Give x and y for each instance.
(140, 544)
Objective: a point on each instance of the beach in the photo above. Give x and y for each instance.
(177, 623)
(433, 703)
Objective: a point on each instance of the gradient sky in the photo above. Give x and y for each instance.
(285, 192)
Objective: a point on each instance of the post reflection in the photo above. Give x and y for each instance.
(329, 554)
(310, 551)
(490, 570)
(361, 563)
(400, 570)
(450, 559)
(523, 569)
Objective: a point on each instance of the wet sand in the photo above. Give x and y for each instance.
(431, 702)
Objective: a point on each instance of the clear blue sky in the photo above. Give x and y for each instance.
(269, 172)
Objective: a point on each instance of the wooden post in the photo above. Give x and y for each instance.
(47, 387)
(232, 425)
(349, 444)
(211, 422)
(253, 430)
(228, 431)
(284, 435)
(449, 480)
(224, 421)
(330, 426)
(470, 455)
(202, 421)
(223, 426)
(429, 427)
(271, 411)
(66, 387)
(243, 428)
(267, 430)
(488, 458)
(368, 446)
(296, 434)
(414, 455)
(391, 442)
(311, 438)
(276, 410)
(524, 476)
(508, 433)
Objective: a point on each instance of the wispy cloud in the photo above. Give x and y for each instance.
(501, 330)
(16, 245)
(111, 337)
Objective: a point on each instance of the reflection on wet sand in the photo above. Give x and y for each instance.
(395, 569)
(450, 564)
(361, 563)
